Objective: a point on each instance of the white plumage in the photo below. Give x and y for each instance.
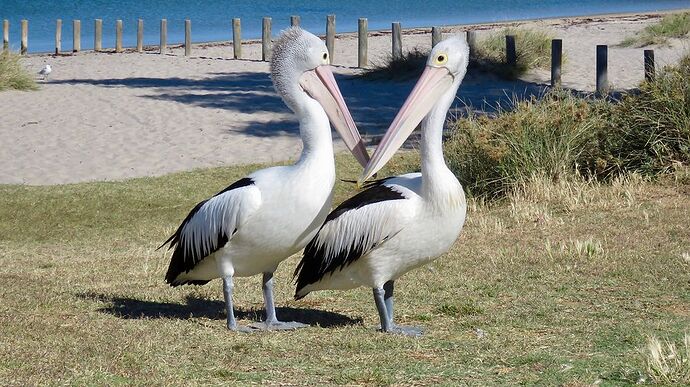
(45, 71)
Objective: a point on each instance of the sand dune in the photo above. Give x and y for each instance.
(107, 116)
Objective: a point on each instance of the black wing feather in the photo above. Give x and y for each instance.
(315, 264)
(184, 258)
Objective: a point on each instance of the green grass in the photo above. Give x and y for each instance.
(675, 25)
(559, 285)
(13, 75)
(565, 136)
(533, 48)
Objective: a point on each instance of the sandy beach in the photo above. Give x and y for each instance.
(106, 116)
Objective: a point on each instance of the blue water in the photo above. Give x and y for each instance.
(211, 20)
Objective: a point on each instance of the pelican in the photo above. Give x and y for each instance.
(258, 221)
(399, 223)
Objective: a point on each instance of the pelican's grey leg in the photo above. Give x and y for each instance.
(227, 292)
(272, 322)
(385, 295)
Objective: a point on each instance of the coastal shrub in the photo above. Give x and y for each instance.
(13, 75)
(409, 66)
(544, 137)
(533, 50)
(562, 135)
(675, 25)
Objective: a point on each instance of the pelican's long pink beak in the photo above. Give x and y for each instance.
(433, 82)
(320, 84)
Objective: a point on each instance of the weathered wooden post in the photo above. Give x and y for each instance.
(98, 35)
(236, 38)
(436, 36)
(397, 41)
(5, 35)
(76, 35)
(58, 36)
(294, 21)
(140, 35)
(649, 70)
(363, 40)
(511, 52)
(556, 61)
(164, 36)
(187, 37)
(118, 35)
(472, 41)
(25, 37)
(266, 39)
(602, 69)
(330, 36)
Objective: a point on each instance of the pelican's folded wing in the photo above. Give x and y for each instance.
(209, 226)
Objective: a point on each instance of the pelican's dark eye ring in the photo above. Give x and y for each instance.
(441, 59)
(325, 56)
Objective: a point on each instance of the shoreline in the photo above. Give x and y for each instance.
(405, 31)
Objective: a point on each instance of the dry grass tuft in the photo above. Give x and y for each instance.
(668, 363)
(12, 74)
(671, 26)
(409, 66)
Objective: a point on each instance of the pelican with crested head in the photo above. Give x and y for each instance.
(260, 220)
(399, 223)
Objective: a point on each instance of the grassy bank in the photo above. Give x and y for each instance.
(675, 25)
(561, 284)
(12, 74)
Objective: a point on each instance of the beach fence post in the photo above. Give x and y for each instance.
(118, 35)
(436, 36)
(602, 69)
(98, 35)
(330, 35)
(649, 70)
(294, 21)
(5, 35)
(511, 52)
(556, 61)
(76, 35)
(471, 40)
(164, 36)
(187, 37)
(363, 42)
(58, 36)
(140, 35)
(25, 37)
(266, 39)
(236, 38)
(397, 41)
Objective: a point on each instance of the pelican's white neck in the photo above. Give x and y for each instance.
(314, 127)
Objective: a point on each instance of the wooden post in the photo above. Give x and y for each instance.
(187, 37)
(237, 38)
(436, 36)
(164, 36)
(472, 41)
(649, 70)
(397, 41)
(58, 36)
(602, 69)
(98, 35)
(556, 61)
(511, 52)
(76, 35)
(140, 35)
(5, 35)
(330, 36)
(294, 21)
(266, 39)
(363, 35)
(118, 35)
(25, 37)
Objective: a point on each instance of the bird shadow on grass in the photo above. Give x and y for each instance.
(132, 308)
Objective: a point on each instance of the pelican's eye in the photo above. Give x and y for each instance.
(441, 59)
(325, 56)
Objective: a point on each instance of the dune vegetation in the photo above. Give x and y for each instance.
(12, 75)
(675, 25)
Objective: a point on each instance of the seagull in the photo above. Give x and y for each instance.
(260, 220)
(399, 223)
(45, 71)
